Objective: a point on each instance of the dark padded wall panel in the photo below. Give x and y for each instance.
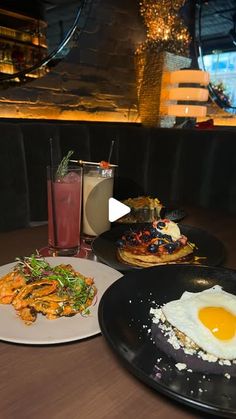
(75, 137)
(37, 151)
(196, 167)
(14, 204)
(133, 161)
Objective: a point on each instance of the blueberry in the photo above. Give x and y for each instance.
(161, 225)
(120, 242)
(145, 237)
(153, 232)
(167, 237)
(170, 247)
(160, 242)
(129, 235)
(152, 248)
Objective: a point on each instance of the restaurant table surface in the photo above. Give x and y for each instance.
(85, 379)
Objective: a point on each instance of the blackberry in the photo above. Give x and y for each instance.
(152, 248)
(170, 247)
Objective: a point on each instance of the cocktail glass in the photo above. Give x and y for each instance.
(98, 185)
(64, 210)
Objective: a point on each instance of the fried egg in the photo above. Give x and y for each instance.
(208, 318)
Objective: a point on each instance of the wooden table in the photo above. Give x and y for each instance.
(84, 379)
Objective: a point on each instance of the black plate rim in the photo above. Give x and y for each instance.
(122, 267)
(137, 372)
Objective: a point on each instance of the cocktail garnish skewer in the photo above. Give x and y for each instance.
(91, 162)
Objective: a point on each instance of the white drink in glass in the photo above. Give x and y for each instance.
(97, 189)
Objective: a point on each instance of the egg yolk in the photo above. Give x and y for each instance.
(219, 321)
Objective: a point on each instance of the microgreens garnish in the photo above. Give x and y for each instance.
(35, 267)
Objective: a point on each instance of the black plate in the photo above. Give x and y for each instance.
(104, 246)
(125, 323)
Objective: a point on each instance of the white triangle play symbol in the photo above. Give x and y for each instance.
(117, 210)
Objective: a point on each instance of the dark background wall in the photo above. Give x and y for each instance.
(96, 81)
(184, 167)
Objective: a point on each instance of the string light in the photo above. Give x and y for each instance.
(165, 30)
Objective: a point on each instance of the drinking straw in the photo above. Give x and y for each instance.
(110, 151)
(53, 195)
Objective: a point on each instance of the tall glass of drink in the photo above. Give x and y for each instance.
(98, 184)
(64, 210)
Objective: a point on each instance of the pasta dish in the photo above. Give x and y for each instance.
(33, 287)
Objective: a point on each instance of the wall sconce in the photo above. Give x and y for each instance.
(190, 96)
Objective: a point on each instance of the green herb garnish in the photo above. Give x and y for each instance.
(35, 267)
(63, 166)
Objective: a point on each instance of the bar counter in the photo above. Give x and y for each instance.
(84, 379)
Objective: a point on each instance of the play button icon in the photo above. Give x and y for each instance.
(117, 209)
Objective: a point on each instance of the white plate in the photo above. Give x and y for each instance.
(64, 329)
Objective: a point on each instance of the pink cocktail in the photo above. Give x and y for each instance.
(64, 211)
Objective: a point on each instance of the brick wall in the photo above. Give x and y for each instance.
(96, 81)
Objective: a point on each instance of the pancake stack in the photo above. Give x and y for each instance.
(158, 243)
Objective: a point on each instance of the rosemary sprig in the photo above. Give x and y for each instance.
(63, 166)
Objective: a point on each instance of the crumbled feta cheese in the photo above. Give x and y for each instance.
(224, 362)
(227, 375)
(157, 314)
(207, 357)
(187, 345)
(189, 351)
(181, 366)
(174, 342)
